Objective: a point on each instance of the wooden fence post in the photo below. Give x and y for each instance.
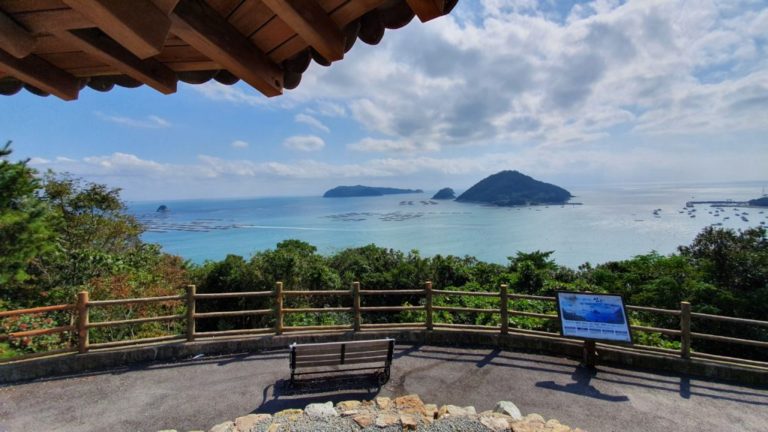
(428, 306)
(504, 307)
(82, 322)
(685, 330)
(356, 304)
(191, 291)
(279, 308)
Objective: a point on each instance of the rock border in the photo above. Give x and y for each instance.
(404, 413)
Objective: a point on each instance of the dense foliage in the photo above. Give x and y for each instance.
(62, 235)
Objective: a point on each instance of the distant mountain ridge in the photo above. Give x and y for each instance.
(359, 191)
(512, 188)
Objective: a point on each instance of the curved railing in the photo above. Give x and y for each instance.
(81, 325)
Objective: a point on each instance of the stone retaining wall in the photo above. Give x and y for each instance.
(106, 359)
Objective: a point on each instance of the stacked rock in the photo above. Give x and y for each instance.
(383, 414)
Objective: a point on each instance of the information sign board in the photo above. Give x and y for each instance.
(599, 317)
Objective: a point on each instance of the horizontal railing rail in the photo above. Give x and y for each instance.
(426, 307)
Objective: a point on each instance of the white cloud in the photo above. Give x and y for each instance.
(306, 143)
(328, 109)
(150, 122)
(230, 93)
(38, 161)
(125, 163)
(239, 144)
(311, 121)
(392, 146)
(515, 73)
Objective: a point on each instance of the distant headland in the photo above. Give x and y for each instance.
(512, 188)
(362, 191)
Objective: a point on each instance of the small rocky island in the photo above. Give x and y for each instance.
(444, 194)
(512, 188)
(162, 209)
(363, 191)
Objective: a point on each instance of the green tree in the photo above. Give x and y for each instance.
(25, 222)
(95, 234)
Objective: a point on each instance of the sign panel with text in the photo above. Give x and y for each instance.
(599, 317)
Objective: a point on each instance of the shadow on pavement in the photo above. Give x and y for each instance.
(307, 391)
(582, 387)
(683, 385)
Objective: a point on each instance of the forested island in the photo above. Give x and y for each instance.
(444, 194)
(362, 191)
(62, 235)
(512, 188)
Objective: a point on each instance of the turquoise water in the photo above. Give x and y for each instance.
(612, 224)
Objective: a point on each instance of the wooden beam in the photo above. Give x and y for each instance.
(166, 6)
(427, 9)
(37, 72)
(53, 20)
(139, 25)
(350, 11)
(310, 21)
(14, 39)
(150, 71)
(202, 27)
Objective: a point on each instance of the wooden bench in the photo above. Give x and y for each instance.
(333, 357)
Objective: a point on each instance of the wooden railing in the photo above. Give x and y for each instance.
(81, 318)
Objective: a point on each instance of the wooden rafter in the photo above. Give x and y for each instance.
(53, 20)
(150, 71)
(41, 74)
(166, 6)
(139, 25)
(311, 23)
(14, 39)
(427, 9)
(350, 11)
(200, 26)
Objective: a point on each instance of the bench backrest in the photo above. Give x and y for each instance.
(342, 353)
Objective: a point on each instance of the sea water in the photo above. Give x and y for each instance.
(612, 223)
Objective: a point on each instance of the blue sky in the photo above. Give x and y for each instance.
(575, 93)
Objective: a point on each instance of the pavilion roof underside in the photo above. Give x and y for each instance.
(60, 46)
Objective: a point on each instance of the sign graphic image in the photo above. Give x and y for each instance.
(598, 317)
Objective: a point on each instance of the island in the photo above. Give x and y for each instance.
(512, 188)
(759, 202)
(162, 209)
(363, 191)
(444, 194)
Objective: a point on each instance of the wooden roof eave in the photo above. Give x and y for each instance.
(58, 46)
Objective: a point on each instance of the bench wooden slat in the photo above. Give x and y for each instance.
(382, 355)
(337, 349)
(349, 344)
(301, 364)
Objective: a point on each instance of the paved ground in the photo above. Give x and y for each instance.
(197, 394)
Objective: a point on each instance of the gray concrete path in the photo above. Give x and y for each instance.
(197, 394)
